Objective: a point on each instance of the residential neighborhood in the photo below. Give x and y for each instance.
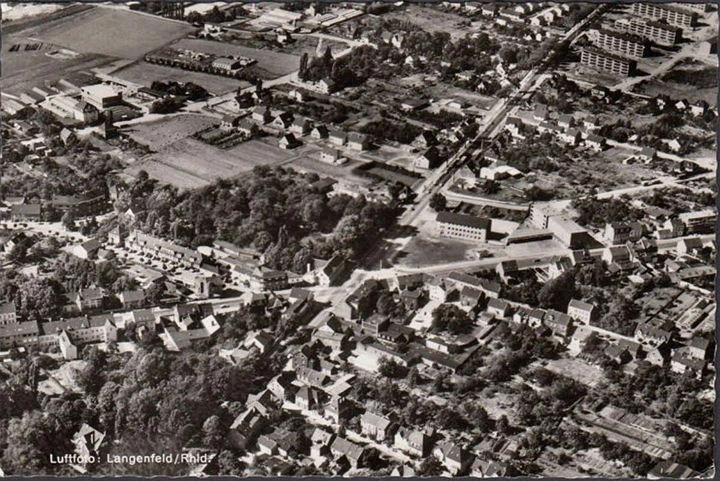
(358, 239)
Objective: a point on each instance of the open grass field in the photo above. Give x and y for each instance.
(24, 69)
(421, 251)
(270, 64)
(432, 20)
(162, 133)
(144, 73)
(190, 163)
(112, 31)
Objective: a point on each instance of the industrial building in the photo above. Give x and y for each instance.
(101, 96)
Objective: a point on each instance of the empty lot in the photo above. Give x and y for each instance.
(162, 133)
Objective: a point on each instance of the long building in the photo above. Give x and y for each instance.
(619, 42)
(597, 59)
(461, 226)
(673, 16)
(165, 249)
(661, 33)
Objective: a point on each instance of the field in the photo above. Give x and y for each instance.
(310, 163)
(421, 252)
(112, 32)
(144, 73)
(270, 64)
(160, 134)
(432, 20)
(189, 163)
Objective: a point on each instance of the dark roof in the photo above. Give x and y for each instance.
(465, 220)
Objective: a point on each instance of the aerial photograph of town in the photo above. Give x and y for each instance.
(358, 239)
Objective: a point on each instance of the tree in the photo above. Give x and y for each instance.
(557, 293)
(391, 368)
(214, 432)
(438, 202)
(68, 220)
(448, 317)
(430, 466)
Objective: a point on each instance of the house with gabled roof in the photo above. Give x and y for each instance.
(581, 311)
(412, 441)
(455, 459)
(375, 426)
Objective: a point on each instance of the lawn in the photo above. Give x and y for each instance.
(113, 32)
(188, 163)
(421, 251)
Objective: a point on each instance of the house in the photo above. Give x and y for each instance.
(88, 441)
(699, 347)
(330, 156)
(413, 104)
(283, 121)
(320, 441)
(699, 108)
(67, 136)
(465, 177)
(571, 136)
(455, 459)
(690, 245)
(375, 426)
(462, 226)
(300, 127)
(246, 427)
(334, 271)
(498, 307)
(132, 299)
(581, 311)
(267, 445)
(565, 121)
(326, 86)
(352, 453)
(262, 115)
(541, 113)
(560, 323)
(88, 299)
(428, 160)
(649, 334)
(620, 232)
(319, 132)
(288, 142)
(308, 398)
(424, 140)
(470, 297)
(337, 137)
(412, 442)
(87, 250)
(647, 154)
(671, 470)
(437, 290)
(31, 212)
(8, 314)
(358, 141)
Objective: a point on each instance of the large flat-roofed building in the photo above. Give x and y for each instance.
(661, 33)
(700, 222)
(599, 60)
(673, 16)
(567, 231)
(461, 226)
(101, 96)
(619, 42)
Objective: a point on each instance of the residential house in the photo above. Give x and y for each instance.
(455, 459)
(498, 307)
(319, 132)
(375, 426)
(288, 142)
(358, 141)
(352, 453)
(132, 299)
(8, 314)
(581, 311)
(262, 115)
(337, 137)
(424, 140)
(300, 127)
(429, 160)
(412, 441)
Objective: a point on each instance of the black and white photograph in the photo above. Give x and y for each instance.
(372, 239)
